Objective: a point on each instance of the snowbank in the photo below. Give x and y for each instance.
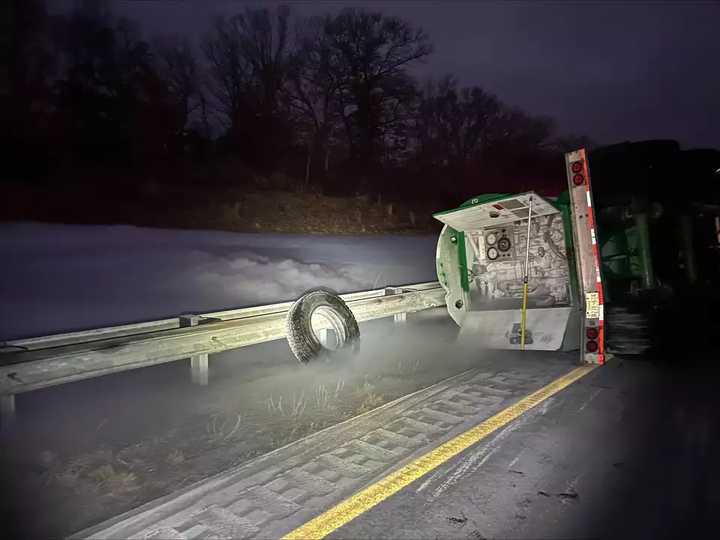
(57, 278)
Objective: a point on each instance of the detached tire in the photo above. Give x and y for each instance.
(326, 304)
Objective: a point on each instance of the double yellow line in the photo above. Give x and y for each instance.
(364, 500)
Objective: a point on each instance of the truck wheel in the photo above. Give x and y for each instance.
(316, 309)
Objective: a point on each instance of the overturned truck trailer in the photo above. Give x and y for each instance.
(522, 271)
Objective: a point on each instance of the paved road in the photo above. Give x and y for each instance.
(630, 451)
(272, 495)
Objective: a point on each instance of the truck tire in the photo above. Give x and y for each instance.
(302, 338)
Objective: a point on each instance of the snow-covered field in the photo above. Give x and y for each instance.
(56, 278)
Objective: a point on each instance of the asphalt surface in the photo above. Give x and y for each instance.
(630, 451)
(272, 495)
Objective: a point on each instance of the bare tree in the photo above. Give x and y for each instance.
(518, 132)
(313, 92)
(179, 71)
(110, 100)
(264, 44)
(229, 69)
(248, 57)
(456, 125)
(29, 64)
(373, 53)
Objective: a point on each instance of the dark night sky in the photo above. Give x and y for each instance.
(613, 71)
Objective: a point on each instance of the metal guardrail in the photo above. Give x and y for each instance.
(31, 364)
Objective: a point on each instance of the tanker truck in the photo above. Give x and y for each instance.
(523, 271)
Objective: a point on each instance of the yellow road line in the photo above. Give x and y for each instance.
(364, 500)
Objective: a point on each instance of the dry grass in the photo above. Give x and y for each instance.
(99, 471)
(371, 402)
(364, 388)
(326, 399)
(115, 482)
(297, 405)
(339, 386)
(292, 408)
(72, 472)
(236, 198)
(176, 457)
(222, 427)
(322, 397)
(370, 399)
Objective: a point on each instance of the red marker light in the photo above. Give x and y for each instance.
(576, 166)
(591, 346)
(592, 333)
(578, 179)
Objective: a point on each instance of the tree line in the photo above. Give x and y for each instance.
(330, 100)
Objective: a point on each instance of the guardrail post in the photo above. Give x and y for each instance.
(7, 411)
(398, 317)
(327, 337)
(322, 336)
(199, 368)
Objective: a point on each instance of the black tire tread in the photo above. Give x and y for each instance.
(303, 342)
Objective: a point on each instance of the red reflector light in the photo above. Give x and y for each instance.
(576, 166)
(592, 333)
(591, 346)
(578, 179)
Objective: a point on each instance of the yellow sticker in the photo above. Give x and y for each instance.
(592, 305)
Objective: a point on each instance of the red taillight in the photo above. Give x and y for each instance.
(578, 179)
(591, 346)
(592, 333)
(576, 166)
